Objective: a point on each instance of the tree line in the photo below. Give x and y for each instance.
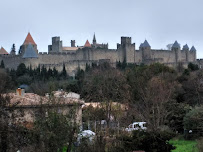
(170, 101)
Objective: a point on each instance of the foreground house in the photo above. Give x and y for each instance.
(28, 105)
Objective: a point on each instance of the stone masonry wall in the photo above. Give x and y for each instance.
(81, 57)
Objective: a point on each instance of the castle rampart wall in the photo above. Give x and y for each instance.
(138, 56)
(167, 55)
(111, 54)
(87, 55)
(183, 56)
(71, 66)
(10, 61)
(192, 56)
(56, 58)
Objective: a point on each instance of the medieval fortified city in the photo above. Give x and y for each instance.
(101, 76)
(74, 57)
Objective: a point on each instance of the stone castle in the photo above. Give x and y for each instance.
(75, 57)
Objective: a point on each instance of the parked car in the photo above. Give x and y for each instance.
(88, 134)
(136, 126)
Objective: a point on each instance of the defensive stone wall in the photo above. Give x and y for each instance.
(167, 56)
(87, 55)
(111, 54)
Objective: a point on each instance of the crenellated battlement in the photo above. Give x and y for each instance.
(78, 56)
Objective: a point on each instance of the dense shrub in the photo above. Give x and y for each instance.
(193, 124)
(146, 141)
(193, 67)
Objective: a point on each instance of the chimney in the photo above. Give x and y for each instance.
(72, 43)
(20, 92)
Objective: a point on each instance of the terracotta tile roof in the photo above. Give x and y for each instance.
(29, 39)
(99, 105)
(3, 51)
(87, 44)
(71, 48)
(31, 99)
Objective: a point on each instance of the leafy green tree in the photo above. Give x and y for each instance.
(192, 93)
(43, 73)
(50, 73)
(193, 121)
(72, 86)
(80, 78)
(124, 64)
(138, 77)
(94, 65)
(24, 79)
(21, 69)
(30, 71)
(87, 67)
(193, 67)
(10, 133)
(53, 130)
(177, 112)
(5, 81)
(106, 85)
(13, 75)
(119, 65)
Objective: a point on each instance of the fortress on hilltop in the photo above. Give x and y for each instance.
(75, 57)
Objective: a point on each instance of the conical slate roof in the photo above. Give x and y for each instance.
(186, 47)
(3, 51)
(141, 45)
(87, 44)
(145, 44)
(176, 45)
(30, 52)
(193, 49)
(29, 39)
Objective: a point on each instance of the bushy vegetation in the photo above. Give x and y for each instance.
(149, 141)
(169, 100)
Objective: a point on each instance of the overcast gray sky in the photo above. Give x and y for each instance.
(159, 21)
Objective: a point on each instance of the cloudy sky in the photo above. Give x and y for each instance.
(161, 22)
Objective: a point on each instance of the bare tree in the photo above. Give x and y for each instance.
(154, 98)
(106, 85)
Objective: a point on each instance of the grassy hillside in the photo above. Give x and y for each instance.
(184, 146)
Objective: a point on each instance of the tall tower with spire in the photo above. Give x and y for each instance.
(28, 40)
(94, 42)
(146, 51)
(177, 51)
(186, 49)
(97, 45)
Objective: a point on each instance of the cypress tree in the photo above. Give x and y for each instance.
(119, 65)
(21, 69)
(64, 73)
(50, 73)
(87, 68)
(43, 73)
(55, 73)
(2, 64)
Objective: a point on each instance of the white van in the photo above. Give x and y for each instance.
(136, 126)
